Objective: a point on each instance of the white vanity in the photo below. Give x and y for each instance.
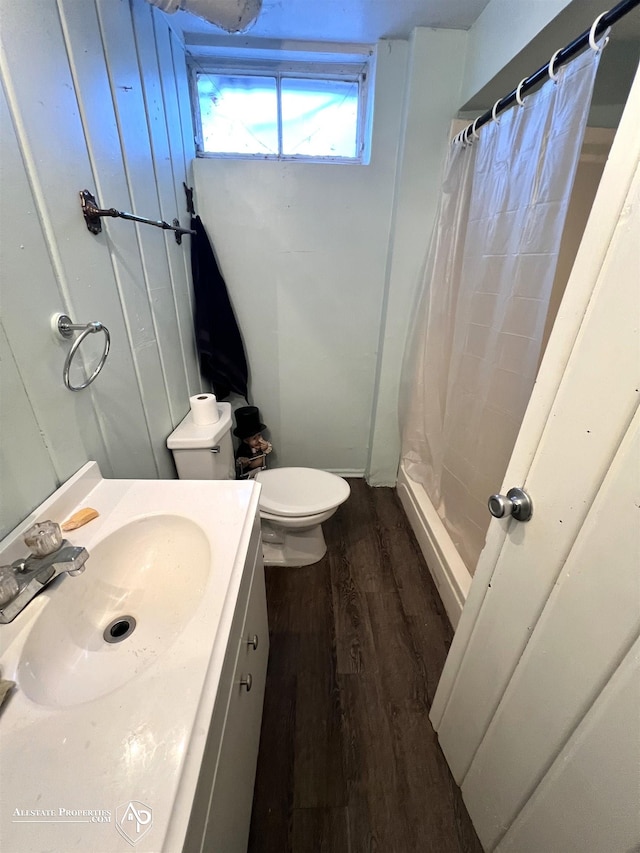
(140, 683)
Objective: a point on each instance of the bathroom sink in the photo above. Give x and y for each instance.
(104, 719)
(142, 585)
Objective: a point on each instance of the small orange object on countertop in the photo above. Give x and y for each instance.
(83, 516)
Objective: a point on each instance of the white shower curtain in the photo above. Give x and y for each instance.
(473, 353)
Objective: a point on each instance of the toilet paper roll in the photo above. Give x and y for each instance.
(204, 409)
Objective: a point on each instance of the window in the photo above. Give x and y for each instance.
(282, 110)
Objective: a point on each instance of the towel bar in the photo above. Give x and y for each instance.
(92, 214)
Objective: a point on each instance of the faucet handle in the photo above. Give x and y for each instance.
(43, 538)
(9, 586)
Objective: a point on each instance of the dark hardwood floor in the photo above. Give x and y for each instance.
(348, 760)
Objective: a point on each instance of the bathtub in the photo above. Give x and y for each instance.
(450, 574)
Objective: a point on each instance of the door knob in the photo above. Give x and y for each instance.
(516, 503)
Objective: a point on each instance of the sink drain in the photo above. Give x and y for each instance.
(119, 629)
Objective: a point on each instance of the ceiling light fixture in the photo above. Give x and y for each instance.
(234, 16)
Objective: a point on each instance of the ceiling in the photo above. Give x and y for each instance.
(368, 21)
(347, 21)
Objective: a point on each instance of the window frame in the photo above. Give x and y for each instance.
(351, 69)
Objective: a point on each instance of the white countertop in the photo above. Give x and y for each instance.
(143, 741)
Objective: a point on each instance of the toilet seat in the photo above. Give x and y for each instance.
(296, 522)
(296, 492)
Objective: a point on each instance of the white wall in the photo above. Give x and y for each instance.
(94, 97)
(503, 30)
(303, 248)
(432, 99)
(322, 263)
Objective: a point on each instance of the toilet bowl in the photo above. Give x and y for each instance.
(294, 502)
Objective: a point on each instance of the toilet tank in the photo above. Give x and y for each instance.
(204, 452)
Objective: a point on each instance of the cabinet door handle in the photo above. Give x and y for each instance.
(248, 681)
(253, 641)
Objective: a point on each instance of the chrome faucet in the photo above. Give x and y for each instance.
(25, 578)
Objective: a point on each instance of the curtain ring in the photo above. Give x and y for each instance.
(592, 34)
(474, 132)
(494, 115)
(519, 98)
(553, 75)
(466, 134)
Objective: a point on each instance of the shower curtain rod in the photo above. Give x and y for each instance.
(561, 58)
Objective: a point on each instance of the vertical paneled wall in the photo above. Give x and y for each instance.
(93, 96)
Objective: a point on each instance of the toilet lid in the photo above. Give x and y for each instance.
(297, 492)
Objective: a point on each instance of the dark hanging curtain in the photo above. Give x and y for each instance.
(220, 348)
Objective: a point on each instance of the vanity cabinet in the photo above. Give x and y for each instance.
(221, 812)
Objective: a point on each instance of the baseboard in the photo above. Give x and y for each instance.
(449, 573)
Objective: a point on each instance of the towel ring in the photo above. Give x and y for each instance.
(65, 328)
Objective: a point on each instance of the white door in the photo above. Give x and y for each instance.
(538, 710)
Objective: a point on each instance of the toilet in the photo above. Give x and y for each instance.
(294, 502)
